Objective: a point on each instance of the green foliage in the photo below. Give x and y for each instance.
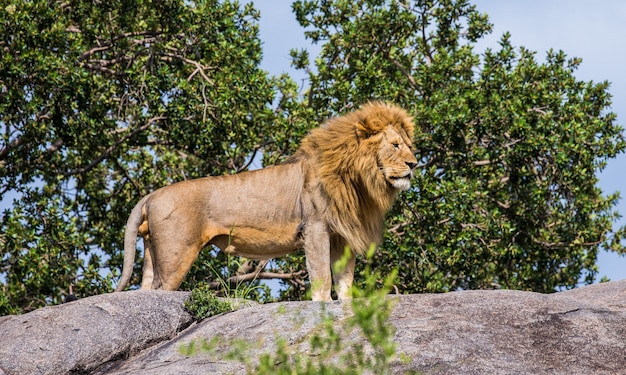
(506, 196)
(231, 286)
(332, 347)
(103, 102)
(204, 303)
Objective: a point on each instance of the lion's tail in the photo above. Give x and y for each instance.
(130, 241)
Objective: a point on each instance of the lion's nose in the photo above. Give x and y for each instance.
(411, 164)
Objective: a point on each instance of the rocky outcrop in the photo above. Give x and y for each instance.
(582, 331)
(79, 336)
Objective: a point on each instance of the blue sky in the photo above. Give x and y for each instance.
(593, 31)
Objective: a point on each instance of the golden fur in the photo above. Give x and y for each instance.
(334, 191)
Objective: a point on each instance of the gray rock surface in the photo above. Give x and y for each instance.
(79, 336)
(259, 326)
(582, 331)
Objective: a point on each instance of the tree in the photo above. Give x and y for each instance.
(506, 196)
(103, 102)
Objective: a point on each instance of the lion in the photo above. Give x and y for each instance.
(332, 193)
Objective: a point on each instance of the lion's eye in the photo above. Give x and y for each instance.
(396, 145)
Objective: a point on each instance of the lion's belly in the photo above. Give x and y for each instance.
(261, 243)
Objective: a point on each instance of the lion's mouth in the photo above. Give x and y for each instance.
(402, 182)
(407, 175)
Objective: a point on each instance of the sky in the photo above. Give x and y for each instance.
(593, 31)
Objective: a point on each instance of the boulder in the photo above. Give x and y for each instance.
(79, 336)
(582, 331)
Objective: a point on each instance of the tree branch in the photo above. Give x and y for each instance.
(112, 148)
(250, 160)
(129, 178)
(407, 74)
(234, 280)
(13, 144)
(199, 67)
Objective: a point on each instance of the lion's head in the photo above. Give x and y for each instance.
(362, 159)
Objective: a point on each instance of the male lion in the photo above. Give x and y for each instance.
(334, 191)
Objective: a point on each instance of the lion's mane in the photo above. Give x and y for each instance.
(345, 154)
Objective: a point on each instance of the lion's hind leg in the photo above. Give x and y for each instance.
(171, 272)
(174, 254)
(147, 277)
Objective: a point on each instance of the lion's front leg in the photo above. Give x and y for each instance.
(317, 252)
(343, 276)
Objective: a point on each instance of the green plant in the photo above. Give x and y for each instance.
(363, 342)
(204, 303)
(234, 287)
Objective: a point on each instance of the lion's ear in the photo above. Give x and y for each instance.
(363, 131)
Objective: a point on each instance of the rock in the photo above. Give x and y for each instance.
(260, 326)
(79, 336)
(582, 331)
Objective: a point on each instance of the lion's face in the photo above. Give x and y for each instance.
(396, 159)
